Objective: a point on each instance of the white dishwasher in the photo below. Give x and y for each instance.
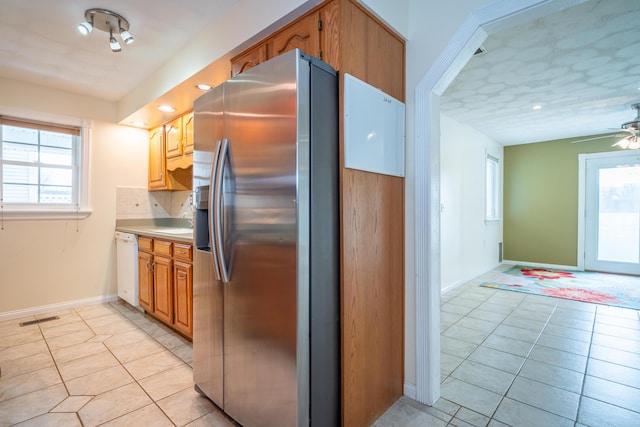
(127, 267)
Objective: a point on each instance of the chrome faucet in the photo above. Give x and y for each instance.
(189, 217)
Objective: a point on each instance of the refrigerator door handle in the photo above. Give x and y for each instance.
(212, 206)
(224, 153)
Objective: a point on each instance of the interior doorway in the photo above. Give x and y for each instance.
(612, 212)
(426, 223)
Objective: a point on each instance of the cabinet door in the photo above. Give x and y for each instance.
(163, 288)
(248, 60)
(183, 297)
(187, 133)
(173, 135)
(145, 281)
(157, 159)
(303, 35)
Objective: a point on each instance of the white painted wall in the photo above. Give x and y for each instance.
(51, 262)
(394, 14)
(469, 243)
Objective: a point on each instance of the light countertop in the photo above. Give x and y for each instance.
(160, 228)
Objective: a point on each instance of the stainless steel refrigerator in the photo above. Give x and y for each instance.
(266, 266)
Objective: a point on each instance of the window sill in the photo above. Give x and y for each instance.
(44, 214)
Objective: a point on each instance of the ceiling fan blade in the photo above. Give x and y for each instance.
(622, 130)
(598, 137)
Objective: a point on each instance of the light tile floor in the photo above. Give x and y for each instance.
(507, 359)
(105, 364)
(514, 359)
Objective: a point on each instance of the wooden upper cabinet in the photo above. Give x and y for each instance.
(302, 34)
(248, 59)
(157, 159)
(173, 135)
(187, 133)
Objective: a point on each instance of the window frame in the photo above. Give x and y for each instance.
(492, 188)
(80, 207)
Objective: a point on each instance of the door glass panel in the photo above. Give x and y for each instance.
(619, 214)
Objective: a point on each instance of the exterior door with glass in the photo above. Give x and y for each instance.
(612, 212)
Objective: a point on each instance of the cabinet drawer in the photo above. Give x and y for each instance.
(182, 251)
(162, 247)
(145, 243)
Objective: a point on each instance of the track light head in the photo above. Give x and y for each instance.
(127, 38)
(113, 43)
(85, 28)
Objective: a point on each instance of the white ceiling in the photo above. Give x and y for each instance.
(39, 42)
(582, 65)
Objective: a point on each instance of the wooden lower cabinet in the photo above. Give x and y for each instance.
(163, 288)
(183, 297)
(165, 282)
(145, 280)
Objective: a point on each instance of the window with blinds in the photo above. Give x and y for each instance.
(40, 164)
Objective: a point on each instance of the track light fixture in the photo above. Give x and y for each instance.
(107, 21)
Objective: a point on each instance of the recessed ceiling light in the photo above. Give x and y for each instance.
(139, 124)
(166, 108)
(203, 86)
(537, 107)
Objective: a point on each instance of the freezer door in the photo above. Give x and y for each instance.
(265, 185)
(207, 290)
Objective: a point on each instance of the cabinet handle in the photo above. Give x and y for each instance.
(182, 275)
(182, 252)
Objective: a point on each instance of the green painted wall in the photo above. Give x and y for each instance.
(541, 200)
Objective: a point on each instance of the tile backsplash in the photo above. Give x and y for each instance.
(138, 202)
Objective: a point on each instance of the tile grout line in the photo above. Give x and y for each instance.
(555, 306)
(154, 402)
(107, 349)
(55, 363)
(526, 358)
(73, 316)
(586, 366)
(136, 380)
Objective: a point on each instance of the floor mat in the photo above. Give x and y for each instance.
(599, 288)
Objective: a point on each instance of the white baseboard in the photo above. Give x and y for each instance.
(51, 308)
(410, 390)
(540, 265)
(452, 286)
(466, 279)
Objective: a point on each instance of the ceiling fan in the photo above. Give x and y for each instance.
(631, 137)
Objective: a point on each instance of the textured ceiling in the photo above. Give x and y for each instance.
(581, 65)
(39, 42)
